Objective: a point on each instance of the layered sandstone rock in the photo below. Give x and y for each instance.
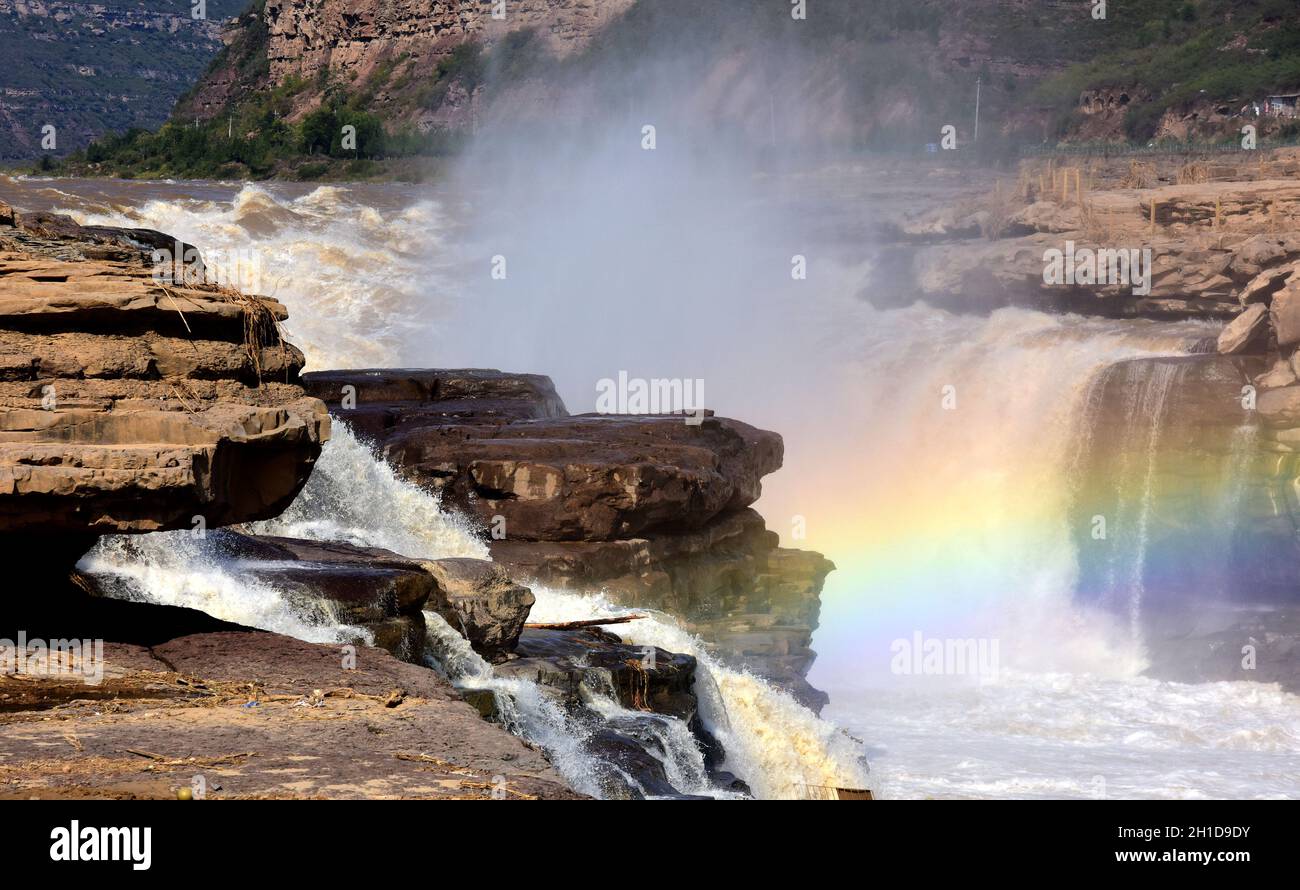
(555, 477)
(1212, 227)
(127, 405)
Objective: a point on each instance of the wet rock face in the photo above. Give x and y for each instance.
(756, 603)
(653, 686)
(127, 405)
(479, 599)
(644, 678)
(1183, 476)
(381, 591)
(1226, 642)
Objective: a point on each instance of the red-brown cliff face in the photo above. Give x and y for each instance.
(847, 74)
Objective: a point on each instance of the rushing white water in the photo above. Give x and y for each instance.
(1145, 414)
(771, 740)
(179, 569)
(354, 496)
(361, 278)
(1043, 735)
(530, 712)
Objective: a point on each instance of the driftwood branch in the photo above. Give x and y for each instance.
(590, 622)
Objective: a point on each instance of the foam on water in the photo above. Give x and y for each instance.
(772, 741)
(179, 569)
(363, 280)
(355, 497)
(1079, 736)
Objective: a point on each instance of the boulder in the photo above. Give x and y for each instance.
(1263, 286)
(479, 599)
(1247, 332)
(1281, 374)
(1285, 313)
(1280, 407)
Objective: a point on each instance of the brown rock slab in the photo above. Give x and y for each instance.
(257, 715)
(499, 444)
(1247, 332)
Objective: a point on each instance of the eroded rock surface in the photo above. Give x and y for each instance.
(1212, 226)
(255, 715)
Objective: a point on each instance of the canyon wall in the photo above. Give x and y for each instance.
(88, 69)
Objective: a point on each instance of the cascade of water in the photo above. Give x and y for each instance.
(354, 496)
(1145, 413)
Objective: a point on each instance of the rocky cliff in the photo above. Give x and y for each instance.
(844, 75)
(1209, 225)
(130, 405)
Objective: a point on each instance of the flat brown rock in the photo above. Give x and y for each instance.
(257, 715)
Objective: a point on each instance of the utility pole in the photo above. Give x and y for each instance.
(977, 109)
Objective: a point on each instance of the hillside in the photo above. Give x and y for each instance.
(91, 68)
(417, 77)
(1178, 69)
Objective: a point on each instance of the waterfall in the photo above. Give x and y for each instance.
(529, 712)
(353, 495)
(1144, 415)
(179, 569)
(1164, 473)
(772, 742)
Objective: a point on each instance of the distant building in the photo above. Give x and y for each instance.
(1283, 105)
